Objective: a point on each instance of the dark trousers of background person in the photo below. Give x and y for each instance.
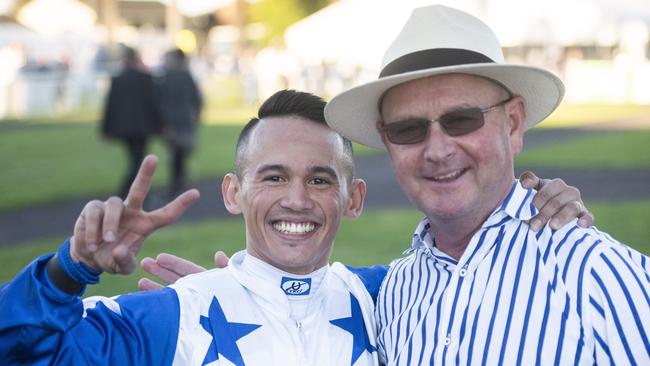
(136, 147)
(178, 169)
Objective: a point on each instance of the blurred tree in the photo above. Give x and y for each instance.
(15, 7)
(277, 15)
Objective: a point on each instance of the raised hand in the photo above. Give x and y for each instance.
(169, 268)
(109, 234)
(556, 201)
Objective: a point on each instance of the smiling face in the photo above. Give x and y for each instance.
(463, 177)
(293, 189)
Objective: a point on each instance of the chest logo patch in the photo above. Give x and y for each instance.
(295, 286)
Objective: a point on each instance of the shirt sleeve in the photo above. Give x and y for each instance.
(619, 305)
(371, 277)
(41, 325)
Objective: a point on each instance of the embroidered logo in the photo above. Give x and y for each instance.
(295, 286)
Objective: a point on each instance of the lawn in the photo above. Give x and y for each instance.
(376, 237)
(615, 150)
(43, 162)
(574, 115)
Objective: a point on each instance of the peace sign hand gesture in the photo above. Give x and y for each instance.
(108, 235)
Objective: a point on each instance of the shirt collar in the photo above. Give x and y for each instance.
(517, 205)
(264, 280)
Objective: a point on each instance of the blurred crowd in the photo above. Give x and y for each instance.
(77, 77)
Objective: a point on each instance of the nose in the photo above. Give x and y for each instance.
(438, 145)
(297, 197)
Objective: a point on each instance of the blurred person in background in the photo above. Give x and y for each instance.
(180, 105)
(131, 114)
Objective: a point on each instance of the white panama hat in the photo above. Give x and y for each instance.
(441, 40)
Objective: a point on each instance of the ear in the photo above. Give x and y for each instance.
(516, 112)
(357, 196)
(230, 189)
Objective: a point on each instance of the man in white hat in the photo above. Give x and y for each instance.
(480, 286)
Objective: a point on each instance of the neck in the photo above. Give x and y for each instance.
(251, 259)
(453, 234)
(299, 270)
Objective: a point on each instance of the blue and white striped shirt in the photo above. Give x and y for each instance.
(557, 297)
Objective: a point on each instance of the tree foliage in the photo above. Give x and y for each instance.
(277, 15)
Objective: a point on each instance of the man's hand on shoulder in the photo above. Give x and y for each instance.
(169, 268)
(556, 201)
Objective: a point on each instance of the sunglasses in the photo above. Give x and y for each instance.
(454, 123)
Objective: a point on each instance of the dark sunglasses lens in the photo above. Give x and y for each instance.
(409, 131)
(458, 123)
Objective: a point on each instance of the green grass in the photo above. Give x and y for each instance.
(625, 221)
(375, 238)
(45, 163)
(616, 150)
(574, 115)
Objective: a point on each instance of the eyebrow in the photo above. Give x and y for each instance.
(270, 167)
(312, 170)
(324, 170)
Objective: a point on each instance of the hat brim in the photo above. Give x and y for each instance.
(354, 113)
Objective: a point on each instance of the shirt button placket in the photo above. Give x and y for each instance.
(447, 340)
(463, 271)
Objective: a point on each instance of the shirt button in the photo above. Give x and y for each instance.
(462, 272)
(447, 340)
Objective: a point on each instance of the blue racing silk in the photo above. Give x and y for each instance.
(42, 325)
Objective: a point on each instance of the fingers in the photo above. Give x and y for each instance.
(179, 266)
(112, 214)
(529, 180)
(146, 284)
(220, 259)
(174, 209)
(568, 212)
(549, 190)
(78, 246)
(560, 204)
(142, 183)
(146, 264)
(586, 220)
(87, 233)
(123, 259)
(94, 215)
(154, 268)
(78, 238)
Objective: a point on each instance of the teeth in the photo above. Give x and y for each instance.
(293, 228)
(448, 176)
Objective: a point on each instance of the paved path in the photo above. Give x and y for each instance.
(57, 219)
